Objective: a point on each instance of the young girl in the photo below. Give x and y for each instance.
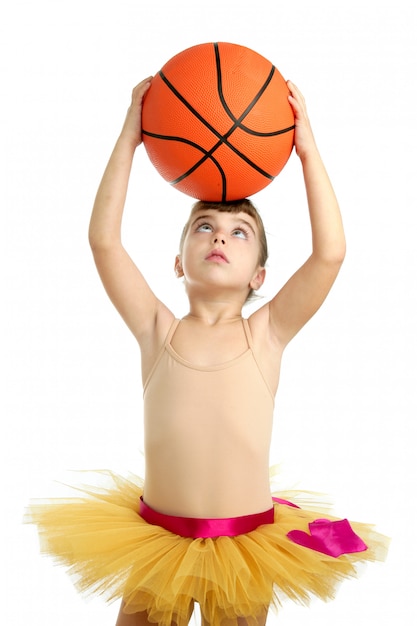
(204, 527)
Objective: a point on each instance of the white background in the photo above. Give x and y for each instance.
(346, 410)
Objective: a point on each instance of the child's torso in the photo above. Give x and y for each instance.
(207, 431)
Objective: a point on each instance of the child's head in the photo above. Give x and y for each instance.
(237, 206)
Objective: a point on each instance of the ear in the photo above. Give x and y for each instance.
(258, 279)
(178, 267)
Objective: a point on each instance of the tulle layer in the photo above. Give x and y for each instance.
(110, 550)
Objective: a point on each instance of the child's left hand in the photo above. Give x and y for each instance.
(303, 139)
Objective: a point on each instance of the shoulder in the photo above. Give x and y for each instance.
(266, 345)
(152, 341)
(261, 328)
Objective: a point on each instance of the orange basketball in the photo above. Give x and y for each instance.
(216, 121)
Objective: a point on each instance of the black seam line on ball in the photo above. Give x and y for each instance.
(222, 138)
(237, 121)
(196, 165)
(271, 134)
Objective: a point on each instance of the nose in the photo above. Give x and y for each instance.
(218, 238)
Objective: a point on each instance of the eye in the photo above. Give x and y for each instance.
(204, 228)
(241, 233)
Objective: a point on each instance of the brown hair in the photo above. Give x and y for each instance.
(236, 206)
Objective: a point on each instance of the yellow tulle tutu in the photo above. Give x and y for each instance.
(110, 550)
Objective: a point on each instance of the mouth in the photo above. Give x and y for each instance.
(217, 256)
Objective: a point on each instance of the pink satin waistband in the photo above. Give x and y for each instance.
(333, 538)
(196, 527)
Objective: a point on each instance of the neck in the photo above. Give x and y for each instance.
(214, 313)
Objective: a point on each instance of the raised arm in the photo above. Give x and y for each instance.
(122, 280)
(307, 289)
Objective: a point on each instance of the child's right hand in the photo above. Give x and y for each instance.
(132, 128)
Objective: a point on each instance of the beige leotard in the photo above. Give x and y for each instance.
(207, 435)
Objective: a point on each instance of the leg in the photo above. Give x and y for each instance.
(241, 621)
(132, 619)
(139, 619)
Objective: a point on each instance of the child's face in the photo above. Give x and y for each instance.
(221, 250)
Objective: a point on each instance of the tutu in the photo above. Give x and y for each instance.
(111, 550)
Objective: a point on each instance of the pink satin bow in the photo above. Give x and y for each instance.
(331, 538)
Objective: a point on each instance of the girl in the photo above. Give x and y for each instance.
(204, 526)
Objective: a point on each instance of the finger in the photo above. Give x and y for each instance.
(142, 88)
(144, 82)
(296, 106)
(295, 92)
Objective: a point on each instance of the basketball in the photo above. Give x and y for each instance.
(216, 122)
